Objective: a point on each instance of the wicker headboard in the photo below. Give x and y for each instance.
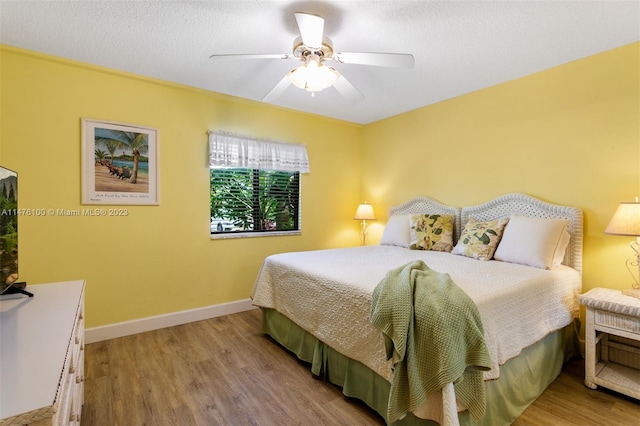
(526, 205)
(505, 206)
(426, 205)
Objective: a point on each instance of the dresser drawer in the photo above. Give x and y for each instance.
(64, 399)
(617, 321)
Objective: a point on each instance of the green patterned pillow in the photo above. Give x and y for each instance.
(480, 239)
(431, 232)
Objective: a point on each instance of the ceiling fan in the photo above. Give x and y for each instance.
(313, 48)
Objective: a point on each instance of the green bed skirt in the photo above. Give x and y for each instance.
(521, 381)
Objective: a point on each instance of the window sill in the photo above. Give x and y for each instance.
(232, 235)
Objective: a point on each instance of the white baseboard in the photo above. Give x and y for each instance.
(126, 328)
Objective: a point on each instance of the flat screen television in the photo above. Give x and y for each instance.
(8, 230)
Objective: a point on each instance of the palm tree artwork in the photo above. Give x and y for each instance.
(111, 146)
(100, 155)
(128, 172)
(136, 142)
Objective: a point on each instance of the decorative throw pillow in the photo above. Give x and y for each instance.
(533, 241)
(396, 233)
(431, 232)
(480, 239)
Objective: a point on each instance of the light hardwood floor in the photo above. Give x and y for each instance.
(223, 371)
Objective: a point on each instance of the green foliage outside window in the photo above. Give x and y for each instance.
(256, 200)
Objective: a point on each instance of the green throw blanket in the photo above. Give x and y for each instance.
(434, 336)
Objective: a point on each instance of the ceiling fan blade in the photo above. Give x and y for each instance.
(347, 90)
(278, 89)
(311, 29)
(253, 56)
(393, 60)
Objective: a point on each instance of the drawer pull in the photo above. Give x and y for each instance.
(72, 370)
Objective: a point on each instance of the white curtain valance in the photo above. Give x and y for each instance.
(238, 151)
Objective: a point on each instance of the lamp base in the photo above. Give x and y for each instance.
(364, 233)
(633, 292)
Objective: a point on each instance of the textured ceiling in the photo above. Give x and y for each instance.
(459, 47)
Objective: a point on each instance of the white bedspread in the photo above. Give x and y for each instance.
(328, 293)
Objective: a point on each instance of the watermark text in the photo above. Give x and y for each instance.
(61, 212)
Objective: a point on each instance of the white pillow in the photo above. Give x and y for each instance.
(558, 257)
(533, 241)
(396, 233)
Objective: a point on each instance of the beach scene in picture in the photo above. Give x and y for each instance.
(120, 163)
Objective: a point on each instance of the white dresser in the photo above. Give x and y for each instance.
(42, 355)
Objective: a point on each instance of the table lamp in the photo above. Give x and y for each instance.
(626, 221)
(364, 213)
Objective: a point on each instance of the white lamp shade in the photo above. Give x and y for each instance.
(626, 220)
(365, 212)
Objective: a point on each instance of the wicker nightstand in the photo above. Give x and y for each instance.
(612, 341)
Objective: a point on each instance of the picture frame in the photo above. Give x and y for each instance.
(119, 163)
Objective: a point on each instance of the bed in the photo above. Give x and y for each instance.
(524, 281)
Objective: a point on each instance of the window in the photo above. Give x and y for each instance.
(254, 186)
(252, 200)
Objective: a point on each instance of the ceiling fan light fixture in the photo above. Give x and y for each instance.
(313, 48)
(313, 76)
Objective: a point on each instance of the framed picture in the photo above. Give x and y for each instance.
(119, 164)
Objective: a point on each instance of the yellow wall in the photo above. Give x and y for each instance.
(159, 259)
(568, 135)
